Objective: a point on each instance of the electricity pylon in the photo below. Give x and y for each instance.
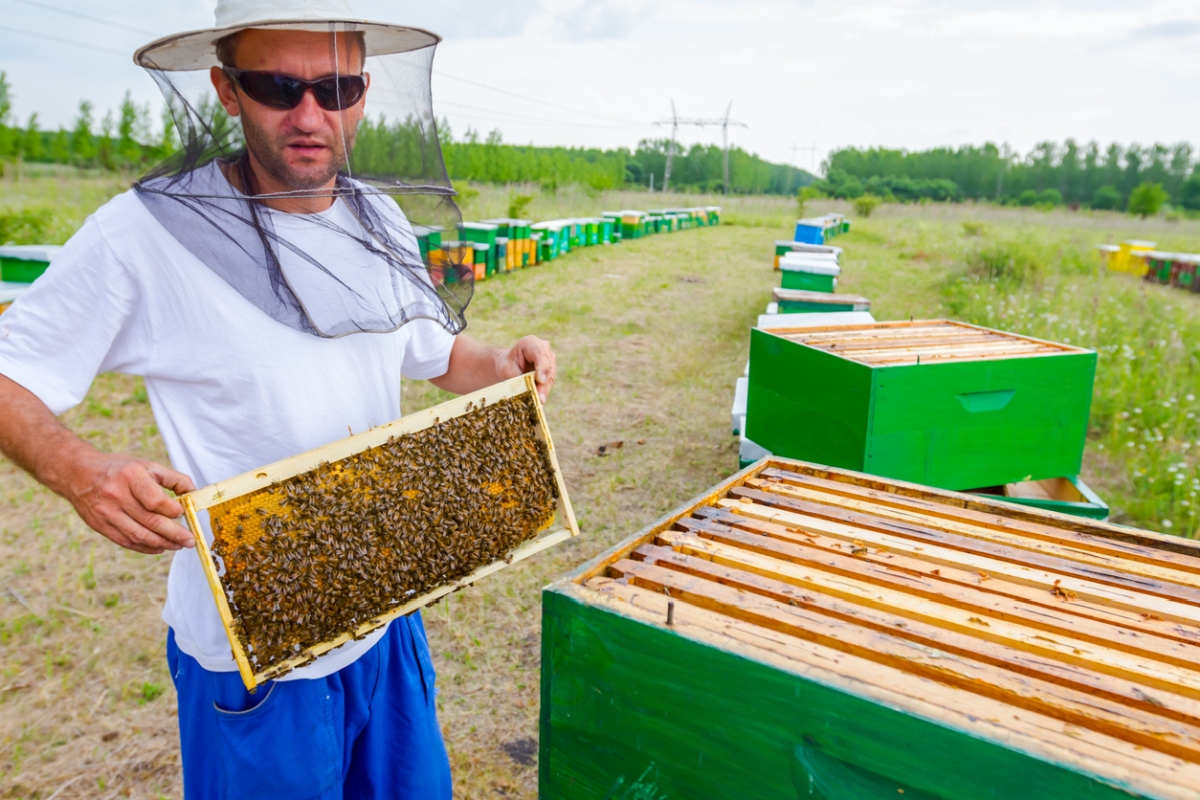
(676, 120)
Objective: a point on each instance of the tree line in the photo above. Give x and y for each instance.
(1086, 175)
(127, 139)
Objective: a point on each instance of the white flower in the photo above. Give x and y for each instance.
(1190, 397)
(1137, 410)
(1166, 523)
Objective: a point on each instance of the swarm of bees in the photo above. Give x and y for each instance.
(320, 554)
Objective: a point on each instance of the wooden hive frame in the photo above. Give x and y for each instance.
(563, 527)
(923, 341)
(1060, 652)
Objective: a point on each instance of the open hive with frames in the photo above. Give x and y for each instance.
(325, 547)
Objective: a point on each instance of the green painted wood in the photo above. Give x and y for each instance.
(788, 307)
(801, 403)
(807, 281)
(956, 425)
(632, 710)
(1090, 507)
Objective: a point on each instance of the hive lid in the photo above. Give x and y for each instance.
(781, 295)
(813, 266)
(819, 319)
(31, 252)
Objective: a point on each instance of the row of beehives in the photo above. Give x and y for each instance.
(942, 403)
(815, 631)
(495, 246)
(1140, 258)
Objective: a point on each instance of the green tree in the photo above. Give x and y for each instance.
(1107, 198)
(1051, 197)
(128, 150)
(83, 145)
(803, 196)
(1189, 192)
(31, 146)
(1027, 198)
(1147, 199)
(8, 138)
(60, 147)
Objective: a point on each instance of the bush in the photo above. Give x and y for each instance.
(1107, 198)
(863, 206)
(1008, 264)
(27, 225)
(517, 205)
(973, 228)
(1147, 199)
(1027, 198)
(1051, 197)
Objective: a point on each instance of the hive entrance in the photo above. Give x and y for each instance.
(313, 559)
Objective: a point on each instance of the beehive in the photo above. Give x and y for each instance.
(937, 402)
(799, 301)
(808, 632)
(315, 550)
(808, 273)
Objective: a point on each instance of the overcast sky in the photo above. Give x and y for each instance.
(804, 74)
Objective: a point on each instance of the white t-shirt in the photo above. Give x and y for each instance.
(231, 388)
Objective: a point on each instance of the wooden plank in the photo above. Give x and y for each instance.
(984, 566)
(1142, 771)
(937, 659)
(783, 542)
(1091, 668)
(1126, 544)
(858, 525)
(855, 512)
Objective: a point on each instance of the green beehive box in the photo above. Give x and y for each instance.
(25, 263)
(1067, 495)
(937, 402)
(808, 274)
(806, 632)
(482, 233)
(714, 215)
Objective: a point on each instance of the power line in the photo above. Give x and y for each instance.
(535, 100)
(88, 17)
(534, 119)
(49, 38)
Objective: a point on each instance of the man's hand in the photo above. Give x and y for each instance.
(122, 499)
(529, 354)
(119, 497)
(474, 366)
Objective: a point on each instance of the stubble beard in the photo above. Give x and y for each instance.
(270, 154)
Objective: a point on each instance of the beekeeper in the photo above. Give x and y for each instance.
(267, 285)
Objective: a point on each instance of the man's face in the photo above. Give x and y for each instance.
(303, 147)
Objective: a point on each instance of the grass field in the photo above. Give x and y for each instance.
(650, 336)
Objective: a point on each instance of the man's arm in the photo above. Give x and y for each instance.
(118, 496)
(475, 366)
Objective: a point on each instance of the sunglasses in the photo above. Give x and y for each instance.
(276, 90)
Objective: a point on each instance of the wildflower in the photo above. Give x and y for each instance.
(1166, 523)
(1190, 398)
(1137, 410)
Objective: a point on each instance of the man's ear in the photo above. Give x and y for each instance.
(225, 91)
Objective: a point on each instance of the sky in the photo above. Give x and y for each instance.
(805, 76)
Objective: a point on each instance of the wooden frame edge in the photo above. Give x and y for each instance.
(214, 583)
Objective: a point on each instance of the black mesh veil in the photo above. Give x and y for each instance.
(230, 195)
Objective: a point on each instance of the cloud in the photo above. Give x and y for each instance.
(1172, 29)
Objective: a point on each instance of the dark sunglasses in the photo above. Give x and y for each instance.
(275, 90)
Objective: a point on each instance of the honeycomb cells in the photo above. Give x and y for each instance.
(318, 555)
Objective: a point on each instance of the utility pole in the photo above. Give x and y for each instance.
(677, 120)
